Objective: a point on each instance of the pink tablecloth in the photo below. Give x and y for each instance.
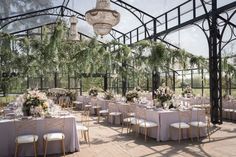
(7, 138)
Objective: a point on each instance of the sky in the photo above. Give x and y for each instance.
(191, 39)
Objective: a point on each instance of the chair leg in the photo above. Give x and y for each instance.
(190, 133)
(16, 150)
(107, 118)
(45, 149)
(198, 136)
(63, 147)
(88, 137)
(35, 149)
(122, 126)
(129, 127)
(208, 133)
(137, 130)
(98, 117)
(145, 133)
(179, 134)
(127, 124)
(85, 137)
(169, 133)
(82, 134)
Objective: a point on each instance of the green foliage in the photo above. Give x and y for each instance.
(54, 53)
(7, 61)
(198, 61)
(157, 55)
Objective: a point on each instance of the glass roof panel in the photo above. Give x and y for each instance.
(29, 23)
(128, 20)
(16, 7)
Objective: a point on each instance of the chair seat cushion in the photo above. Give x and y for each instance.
(128, 120)
(136, 121)
(131, 114)
(26, 139)
(54, 136)
(181, 125)
(228, 110)
(198, 124)
(148, 124)
(81, 127)
(103, 111)
(96, 107)
(115, 113)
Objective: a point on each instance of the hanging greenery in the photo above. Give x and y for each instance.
(54, 53)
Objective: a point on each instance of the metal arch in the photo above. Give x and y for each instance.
(139, 14)
(126, 5)
(48, 11)
(64, 3)
(233, 33)
(216, 45)
(194, 19)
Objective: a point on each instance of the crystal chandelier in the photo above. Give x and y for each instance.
(102, 18)
(73, 34)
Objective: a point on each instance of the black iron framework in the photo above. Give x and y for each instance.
(213, 21)
(214, 26)
(217, 24)
(26, 32)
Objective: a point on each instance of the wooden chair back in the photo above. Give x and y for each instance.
(25, 127)
(113, 107)
(52, 125)
(85, 118)
(185, 115)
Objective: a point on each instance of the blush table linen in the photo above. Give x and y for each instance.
(168, 117)
(7, 136)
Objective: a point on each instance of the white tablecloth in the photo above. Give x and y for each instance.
(7, 138)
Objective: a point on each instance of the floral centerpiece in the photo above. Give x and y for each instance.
(164, 95)
(56, 93)
(131, 95)
(228, 97)
(71, 94)
(93, 91)
(108, 95)
(139, 89)
(187, 92)
(35, 103)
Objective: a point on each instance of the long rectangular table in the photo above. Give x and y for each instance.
(7, 137)
(162, 117)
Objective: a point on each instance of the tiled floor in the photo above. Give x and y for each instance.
(107, 141)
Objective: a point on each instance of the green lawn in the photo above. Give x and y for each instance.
(198, 92)
(5, 100)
